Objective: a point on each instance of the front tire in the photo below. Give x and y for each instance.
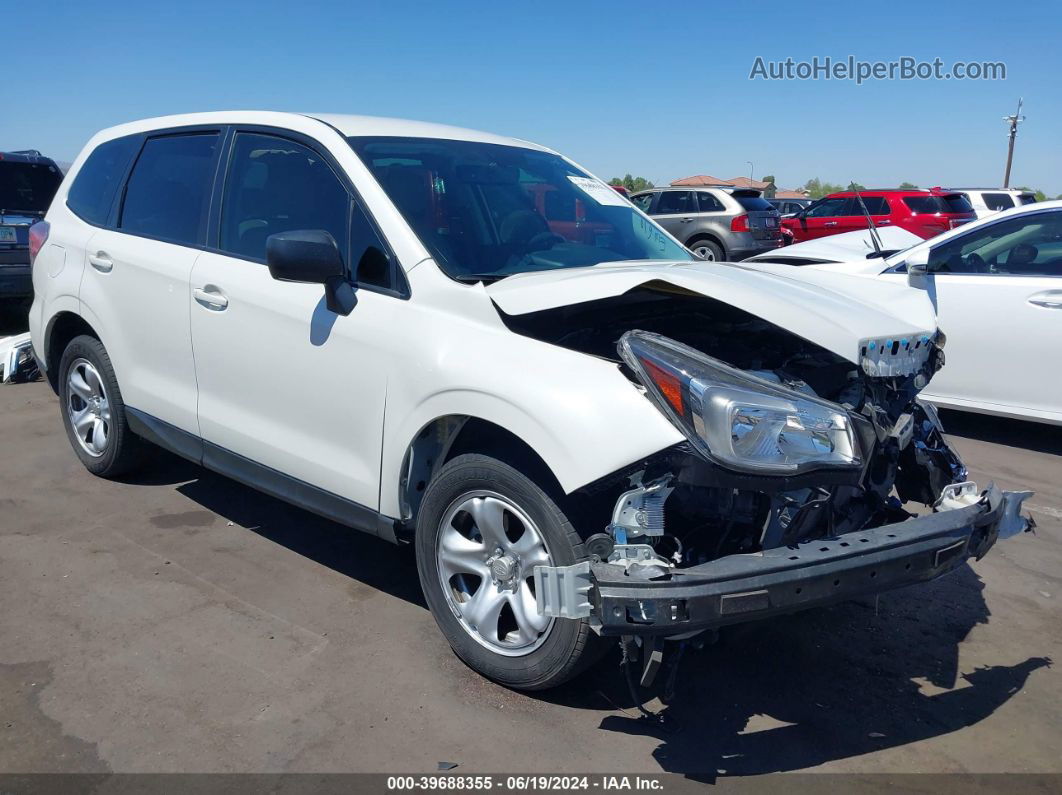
(482, 528)
(93, 411)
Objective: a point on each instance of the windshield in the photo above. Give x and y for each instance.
(486, 211)
(27, 187)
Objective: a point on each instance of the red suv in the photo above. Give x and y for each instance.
(923, 212)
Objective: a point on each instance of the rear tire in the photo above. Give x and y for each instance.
(93, 412)
(482, 528)
(707, 250)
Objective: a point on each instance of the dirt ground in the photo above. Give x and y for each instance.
(182, 622)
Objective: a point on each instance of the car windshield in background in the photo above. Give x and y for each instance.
(27, 187)
(751, 201)
(953, 203)
(486, 211)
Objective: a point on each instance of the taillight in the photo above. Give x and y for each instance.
(739, 223)
(38, 235)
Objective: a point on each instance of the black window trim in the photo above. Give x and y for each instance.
(401, 289)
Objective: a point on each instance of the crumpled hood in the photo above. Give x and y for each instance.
(836, 311)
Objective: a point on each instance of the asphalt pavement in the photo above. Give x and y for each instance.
(178, 621)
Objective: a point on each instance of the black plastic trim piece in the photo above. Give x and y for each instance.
(258, 476)
(167, 436)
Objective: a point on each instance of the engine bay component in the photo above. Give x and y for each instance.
(640, 511)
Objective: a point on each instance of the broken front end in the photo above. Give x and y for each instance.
(794, 486)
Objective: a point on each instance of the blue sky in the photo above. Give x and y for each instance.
(659, 90)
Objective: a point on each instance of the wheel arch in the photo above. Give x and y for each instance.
(446, 437)
(62, 328)
(709, 236)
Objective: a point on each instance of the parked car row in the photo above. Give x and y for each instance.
(586, 433)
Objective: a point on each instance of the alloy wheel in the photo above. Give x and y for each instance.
(88, 408)
(487, 549)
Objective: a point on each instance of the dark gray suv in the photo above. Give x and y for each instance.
(28, 181)
(715, 223)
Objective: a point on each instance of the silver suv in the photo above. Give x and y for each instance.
(717, 223)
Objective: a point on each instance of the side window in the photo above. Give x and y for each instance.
(276, 185)
(643, 201)
(169, 188)
(97, 181)
(674, 201)
(997, 201)
(707, 203)
(827, 208)
(1027, 246)
(876, 205)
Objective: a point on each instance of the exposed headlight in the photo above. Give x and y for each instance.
(737, 419)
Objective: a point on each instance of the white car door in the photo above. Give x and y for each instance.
(291, 395)
(135, 283)
(998, 293)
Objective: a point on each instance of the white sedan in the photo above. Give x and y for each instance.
(996, 284)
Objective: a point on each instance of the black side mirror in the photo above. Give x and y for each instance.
(312, 256)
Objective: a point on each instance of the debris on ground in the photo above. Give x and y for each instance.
(17, 363)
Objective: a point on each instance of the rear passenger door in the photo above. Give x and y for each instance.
(134, 290)
(854, 218)
(291, 395)
(674, 211)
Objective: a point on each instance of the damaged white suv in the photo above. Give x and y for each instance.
(467, 342)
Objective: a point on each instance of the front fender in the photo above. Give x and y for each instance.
(582, 431)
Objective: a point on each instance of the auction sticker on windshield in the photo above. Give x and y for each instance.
(598, 191)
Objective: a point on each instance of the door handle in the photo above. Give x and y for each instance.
(686, 220)
(101, 262)
(1049, 300)
(210, 297)
(829, 223)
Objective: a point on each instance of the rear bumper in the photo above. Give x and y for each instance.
(741, 588)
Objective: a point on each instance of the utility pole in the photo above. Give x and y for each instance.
(751, 169)
(1013, 121)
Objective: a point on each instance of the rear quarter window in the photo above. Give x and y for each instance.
(97, 181)
(955, 203)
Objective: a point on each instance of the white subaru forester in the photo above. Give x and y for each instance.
(467, 342)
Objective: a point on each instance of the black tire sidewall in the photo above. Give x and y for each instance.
(715, 247)
(559, 657)
(118, 456)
